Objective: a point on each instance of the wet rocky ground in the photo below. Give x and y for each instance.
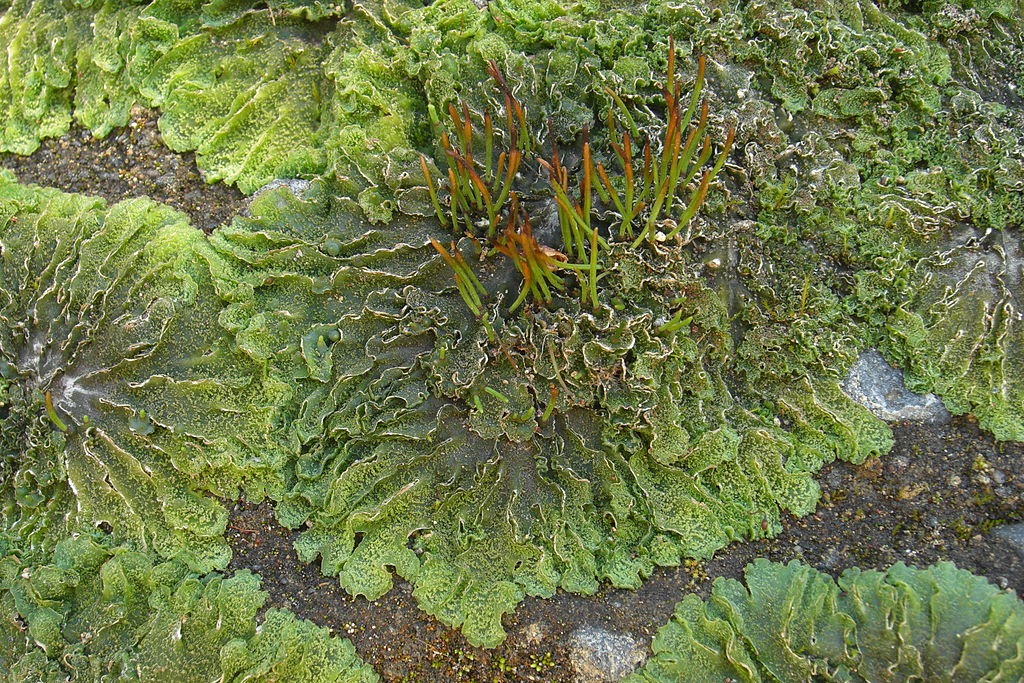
(945, 492)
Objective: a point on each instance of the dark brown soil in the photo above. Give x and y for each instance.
(130, 162)
(935, 497)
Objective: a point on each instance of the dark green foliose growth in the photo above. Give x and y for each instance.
(792, 623)
(490, 457)
(96, 611)
(683, 403)
(302, 354)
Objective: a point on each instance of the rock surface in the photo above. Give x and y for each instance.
(1014, 535)
(599, 655)
(297, 186)
(879, 387)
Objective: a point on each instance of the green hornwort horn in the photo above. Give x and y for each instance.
(480, 187)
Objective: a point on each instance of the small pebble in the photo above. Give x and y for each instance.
(599, 655)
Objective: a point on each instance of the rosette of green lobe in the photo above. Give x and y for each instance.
(123, 397)
(486, 462)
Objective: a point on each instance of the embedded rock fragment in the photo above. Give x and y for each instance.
(297, 186)
(1012, 534)
(879, 387)
(599, 655)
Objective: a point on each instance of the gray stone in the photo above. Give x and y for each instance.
(1012, 534)
(879, 387)
(600, 656)
(297, 186)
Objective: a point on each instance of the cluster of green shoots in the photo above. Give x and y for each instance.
(648, 195)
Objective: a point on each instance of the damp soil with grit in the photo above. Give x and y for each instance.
(937, 495)
(132, 161)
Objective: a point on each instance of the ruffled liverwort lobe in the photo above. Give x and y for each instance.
(491, 454)
(118, 390)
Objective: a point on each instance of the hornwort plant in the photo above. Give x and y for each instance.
(655, 194)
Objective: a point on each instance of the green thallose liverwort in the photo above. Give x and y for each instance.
(469, 459)
(794, 623)
(678, 444)
(376, 425)
(894, 78)
(121, 394)
(95, 610)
